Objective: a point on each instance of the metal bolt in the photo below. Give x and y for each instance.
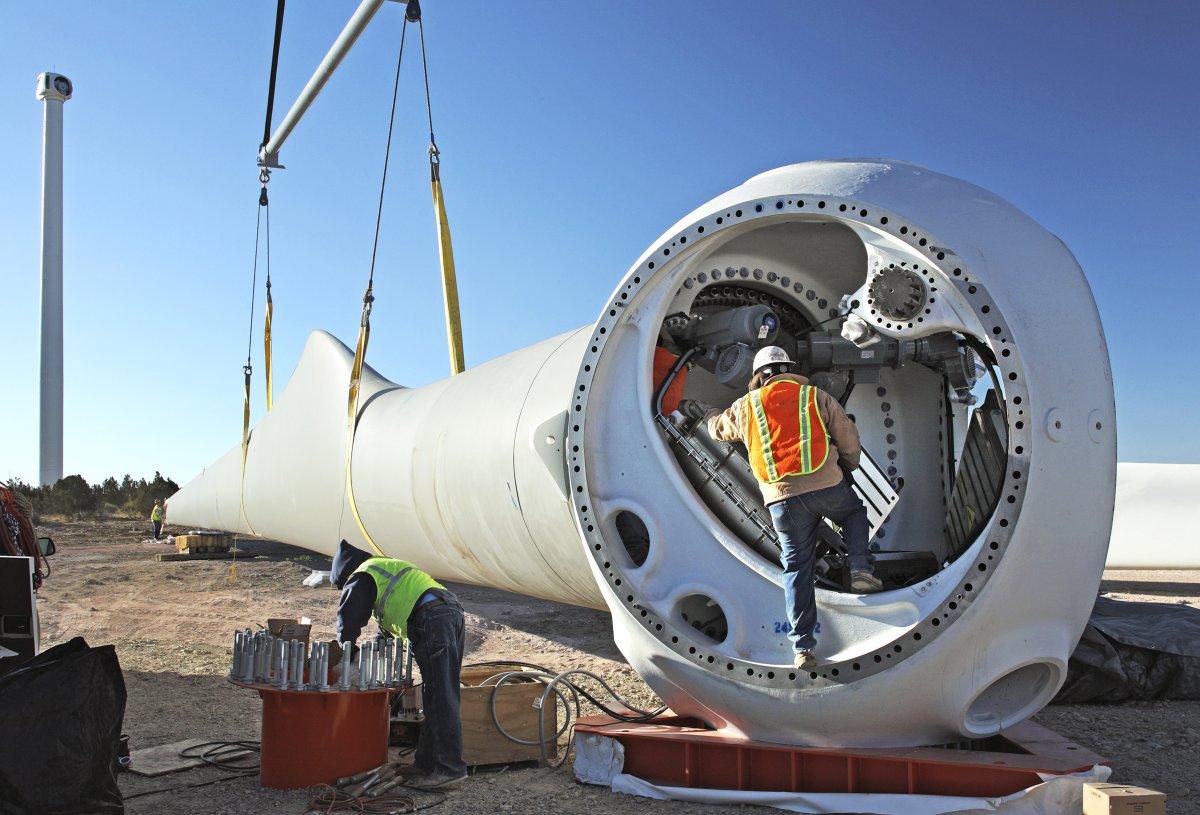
(247, 667)
(249, 642)
(260, 669)
(362, 666)
(255, 659)
(347, 649)
(299, 657)
(285, 659)
(323, 666)
(389, 654)
(237, 654)
(315, 678)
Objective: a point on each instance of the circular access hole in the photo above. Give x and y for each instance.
(1011, 698)
(705, 615)
(634, 535)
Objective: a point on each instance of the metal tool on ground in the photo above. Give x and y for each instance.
(369, 791)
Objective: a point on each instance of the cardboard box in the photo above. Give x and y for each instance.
(483, 743)
(1122, 799)
(290, 629)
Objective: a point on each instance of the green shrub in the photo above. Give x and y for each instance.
(73, 496)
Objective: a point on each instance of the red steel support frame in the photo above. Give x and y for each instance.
(680, 752)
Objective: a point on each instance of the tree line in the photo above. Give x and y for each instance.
(73, 496)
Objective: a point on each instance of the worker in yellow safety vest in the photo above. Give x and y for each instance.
(156, 518)
(409, 604)
(802, 448)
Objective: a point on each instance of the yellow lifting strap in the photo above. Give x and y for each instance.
(267, 342)
(232, 577)
(263, 207)
(449, 281)
(360, 354)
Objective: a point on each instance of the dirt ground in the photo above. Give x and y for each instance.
(172, 624)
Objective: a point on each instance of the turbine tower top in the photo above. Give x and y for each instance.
(53, 87)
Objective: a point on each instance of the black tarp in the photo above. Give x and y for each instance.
(60, 723)
(1135, 651)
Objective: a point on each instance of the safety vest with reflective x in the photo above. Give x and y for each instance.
(786, 434)
(398, 586)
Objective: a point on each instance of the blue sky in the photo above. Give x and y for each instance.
(572, 135)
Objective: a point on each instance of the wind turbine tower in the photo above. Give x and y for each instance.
(54, 90)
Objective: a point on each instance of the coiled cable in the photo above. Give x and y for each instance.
(554, 684)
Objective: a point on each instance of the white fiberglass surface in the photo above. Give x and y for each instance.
(972, 530)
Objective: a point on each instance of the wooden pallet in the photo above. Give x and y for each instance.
(190, 544)
(226, 555)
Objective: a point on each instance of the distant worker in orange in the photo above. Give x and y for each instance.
(800, 441)
(156, 518)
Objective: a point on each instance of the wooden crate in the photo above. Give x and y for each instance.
(190, 544)
(482, 742)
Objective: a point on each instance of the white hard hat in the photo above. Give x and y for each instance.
(771, 355)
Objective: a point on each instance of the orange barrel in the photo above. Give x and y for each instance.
(311, 737)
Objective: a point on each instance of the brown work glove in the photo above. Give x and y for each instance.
(846, 469)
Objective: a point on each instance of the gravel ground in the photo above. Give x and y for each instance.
(172, 623)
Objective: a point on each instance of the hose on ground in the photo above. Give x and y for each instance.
(225, 755)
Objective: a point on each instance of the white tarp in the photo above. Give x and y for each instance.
(1156, 517)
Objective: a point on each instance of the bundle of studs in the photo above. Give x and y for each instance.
(373, 783)
(261, 659)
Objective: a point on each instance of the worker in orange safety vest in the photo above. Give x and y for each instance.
(802, 447)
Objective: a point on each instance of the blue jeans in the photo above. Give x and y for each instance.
(795, 522)
(436, 636)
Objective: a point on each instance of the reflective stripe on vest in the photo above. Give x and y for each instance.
(787, 435)
(392, 579)
(398, 586)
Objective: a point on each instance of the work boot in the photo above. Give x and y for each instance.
(436, 781)
(409, 771)
(805, 659)
(864, 582)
